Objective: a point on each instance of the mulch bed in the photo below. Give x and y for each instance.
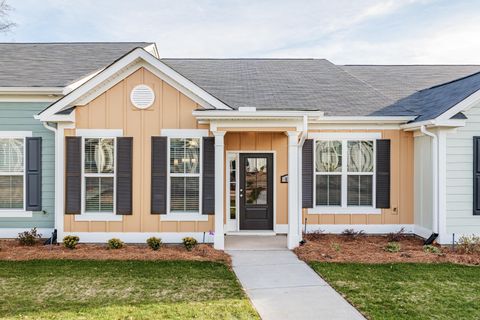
(370, 249)
(11, 250)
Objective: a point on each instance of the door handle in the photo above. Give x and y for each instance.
(241, 193)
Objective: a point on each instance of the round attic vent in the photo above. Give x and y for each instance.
(142, 96)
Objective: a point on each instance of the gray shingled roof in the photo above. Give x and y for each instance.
(400, 81)
(56, 64)
(282, 84)
(432, 102)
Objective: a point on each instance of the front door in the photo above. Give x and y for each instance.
(256, 191)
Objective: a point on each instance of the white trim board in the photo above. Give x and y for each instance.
(367, 228)
(139, 237)
(12, 233)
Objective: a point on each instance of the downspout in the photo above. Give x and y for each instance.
(53, 238)
(435, 204)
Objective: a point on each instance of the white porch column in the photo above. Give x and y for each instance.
(219, 239)
(294, 235)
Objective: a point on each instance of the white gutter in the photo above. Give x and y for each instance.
(433, 123)
(365, 119)
(236, 114)
(435, 204)
(32, 90)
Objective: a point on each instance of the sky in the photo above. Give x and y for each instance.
(345, 32)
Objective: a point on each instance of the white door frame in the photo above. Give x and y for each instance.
(235, 224)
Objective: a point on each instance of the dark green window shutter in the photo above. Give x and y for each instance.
(159, 175)
(308, 173)
(124, 175)
(476, 175)
(208, 176)
(73, 172)
(33, 172)
(383, 174)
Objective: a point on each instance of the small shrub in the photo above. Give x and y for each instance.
(115, 243)
(392, 247)
(351, 234)
(314, 235)
(154, 243)
(469, 244)
(431, 249)
(29, 238)
(396, 236)
(70, 242)
(189, 243)
(336, 247)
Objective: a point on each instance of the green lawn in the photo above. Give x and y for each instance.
(59, 289)
(407, 291)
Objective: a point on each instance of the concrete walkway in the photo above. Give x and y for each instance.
(282, 287)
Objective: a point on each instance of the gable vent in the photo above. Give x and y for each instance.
(142, 96)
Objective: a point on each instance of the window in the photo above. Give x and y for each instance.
(12, 173)
(232, 158)
(344, 172)
(99, 175)
(185, 174)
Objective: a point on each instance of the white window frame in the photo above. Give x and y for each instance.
(21, 212)
(344, 138)
(185, 134)
(99, 134)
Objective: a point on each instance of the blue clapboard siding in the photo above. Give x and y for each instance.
(18, 116)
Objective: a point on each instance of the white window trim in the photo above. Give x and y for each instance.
(344, 138)
(185, 134)
(18, 213)
(232, 224)
(99, 216)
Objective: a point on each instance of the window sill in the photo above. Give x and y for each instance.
(184, 216)
(98, 217)
(340, 210)
(15, 214)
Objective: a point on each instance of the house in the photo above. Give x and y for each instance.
(134, 145)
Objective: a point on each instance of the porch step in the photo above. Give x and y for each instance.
(256, 242)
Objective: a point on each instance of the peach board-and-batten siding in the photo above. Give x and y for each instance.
(113, 110)
(401, 185)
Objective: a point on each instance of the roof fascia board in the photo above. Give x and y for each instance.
(28, 98)
(58, 117)
(463, 105)
(32, 90)
(116, 67)
(364, 119)
(452, 123)
(235, 114)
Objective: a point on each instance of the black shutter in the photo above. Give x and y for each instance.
(124, 175)
(307, 174)
(208, 176)
(73, 182)
(383, 174)
(476, 175)
(33, 172)
(159, 175)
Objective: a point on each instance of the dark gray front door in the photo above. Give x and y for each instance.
(256, 191)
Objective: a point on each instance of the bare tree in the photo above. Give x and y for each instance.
(5, 23)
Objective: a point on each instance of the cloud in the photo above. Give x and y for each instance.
(360, 31)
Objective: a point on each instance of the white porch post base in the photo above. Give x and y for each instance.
(294, 236)
(219, 238)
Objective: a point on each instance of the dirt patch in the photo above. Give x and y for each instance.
(11, 250)
(370, 249)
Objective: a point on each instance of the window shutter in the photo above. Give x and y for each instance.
(159, 175)
(307, 174)
(383, 174)
(124, 175)
(33, 172)
(73, 175)
(476, 175)
(208, 176)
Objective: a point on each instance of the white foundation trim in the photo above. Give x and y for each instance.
(12, 233)
(367, 228)
(281, 228)
(139, 237)
(422, 231)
